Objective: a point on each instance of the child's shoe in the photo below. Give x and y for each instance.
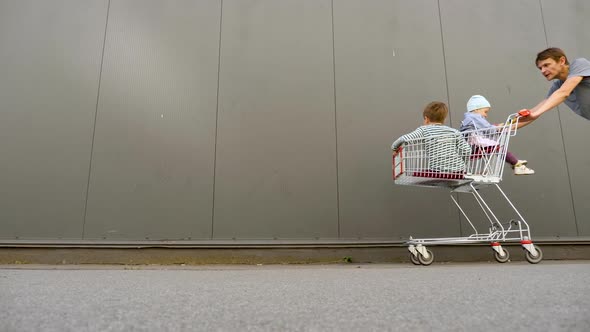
(521, 162)
(521, 169)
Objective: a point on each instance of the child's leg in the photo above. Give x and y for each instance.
(518, 165)
(511, 159)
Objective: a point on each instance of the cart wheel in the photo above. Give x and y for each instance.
(500, 258)
(414, 259)
(534, 259)
(426, 261)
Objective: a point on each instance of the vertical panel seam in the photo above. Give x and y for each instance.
(442, 40)
(335, 122)
(216, 120)
(567, 168)
(95, 118)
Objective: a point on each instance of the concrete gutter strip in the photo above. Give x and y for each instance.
(248, 244)
(384, 253)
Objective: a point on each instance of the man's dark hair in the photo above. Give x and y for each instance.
(551, 53)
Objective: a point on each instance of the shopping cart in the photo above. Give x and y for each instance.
(414, 164)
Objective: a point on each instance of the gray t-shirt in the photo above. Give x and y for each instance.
(579, 99)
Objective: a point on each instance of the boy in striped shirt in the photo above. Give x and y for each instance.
(445, 149)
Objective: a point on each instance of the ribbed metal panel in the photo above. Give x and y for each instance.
(152, 166)
(389, 65)
(497, 61)
(568, 27)
(50, 55)
(276, 144)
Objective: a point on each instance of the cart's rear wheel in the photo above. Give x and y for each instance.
(502, 259)
(534, 259)
(414, 259)
(426, 261)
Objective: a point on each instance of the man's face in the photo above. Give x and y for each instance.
(551, 69)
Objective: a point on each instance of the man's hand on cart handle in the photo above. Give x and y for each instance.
(524, 112)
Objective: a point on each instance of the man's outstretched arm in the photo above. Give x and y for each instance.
(556, 98)
(532, 117)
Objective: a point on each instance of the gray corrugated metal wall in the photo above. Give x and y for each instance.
(262, 119)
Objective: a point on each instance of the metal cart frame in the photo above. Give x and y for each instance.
(414, 164)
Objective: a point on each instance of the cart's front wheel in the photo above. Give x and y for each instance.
(414, 259)
(534, 259)
(502, 258)
(426, 260)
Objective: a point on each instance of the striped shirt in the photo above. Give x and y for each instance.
(442, 149)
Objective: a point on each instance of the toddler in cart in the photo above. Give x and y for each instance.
(443, 150)
(475, 119)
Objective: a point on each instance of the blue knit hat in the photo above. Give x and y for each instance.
(477, 102)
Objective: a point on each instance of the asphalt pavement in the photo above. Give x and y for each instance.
(516, 296)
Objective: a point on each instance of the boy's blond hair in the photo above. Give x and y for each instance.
(436, 111)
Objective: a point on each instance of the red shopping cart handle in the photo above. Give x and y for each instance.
(524, 113)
